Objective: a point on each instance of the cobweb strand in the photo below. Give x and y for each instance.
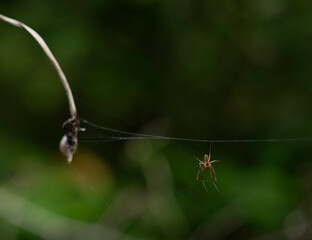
(141, 136)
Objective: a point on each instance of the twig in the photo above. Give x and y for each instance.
(69, 142)
(45, 48)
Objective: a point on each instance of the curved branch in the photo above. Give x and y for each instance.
(47, 51)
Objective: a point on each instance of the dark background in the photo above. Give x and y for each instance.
(188, 68)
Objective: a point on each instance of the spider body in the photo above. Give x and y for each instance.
(207, 164)
(206, 161)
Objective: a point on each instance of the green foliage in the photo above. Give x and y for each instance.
(196, 69)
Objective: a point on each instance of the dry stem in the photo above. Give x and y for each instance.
(44, 46)
(69, 142)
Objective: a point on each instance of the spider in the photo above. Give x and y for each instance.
(207, 164)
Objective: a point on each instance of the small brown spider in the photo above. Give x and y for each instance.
(207, 164)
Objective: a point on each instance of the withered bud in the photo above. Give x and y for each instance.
(69, 141)
(68, 147)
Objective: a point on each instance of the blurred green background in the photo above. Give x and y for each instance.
(188, 68)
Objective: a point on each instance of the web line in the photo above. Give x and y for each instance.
(141, 136)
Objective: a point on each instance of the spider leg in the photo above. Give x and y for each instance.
(200, 169)
(203, 179)
(209, 153)
(214, 181)
(214, 173)
(197, 159)
(215, 161)
(198, 174)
